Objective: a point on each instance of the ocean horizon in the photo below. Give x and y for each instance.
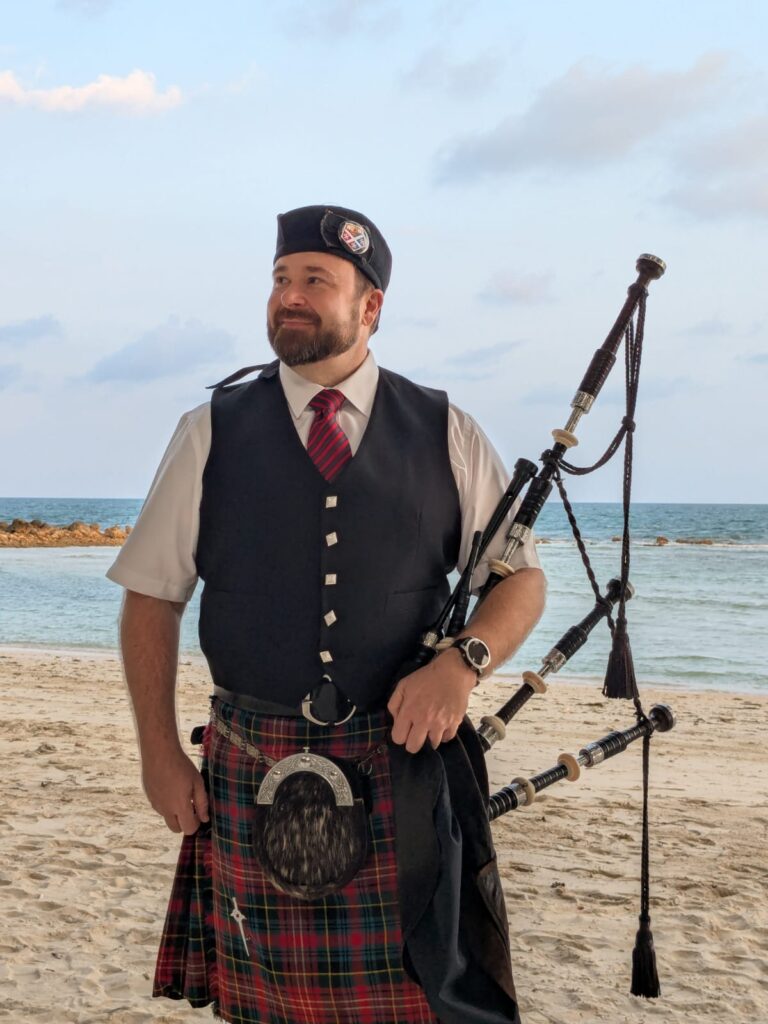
(698, 621)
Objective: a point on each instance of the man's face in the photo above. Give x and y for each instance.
(314, 310)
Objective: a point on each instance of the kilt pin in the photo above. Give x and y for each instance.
(260, 957)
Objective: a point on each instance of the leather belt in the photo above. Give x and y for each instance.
(325, 705)
(249, 703)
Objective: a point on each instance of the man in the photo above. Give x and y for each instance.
(323, 504)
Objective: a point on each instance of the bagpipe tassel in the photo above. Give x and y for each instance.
(645, 979)
(620, 681)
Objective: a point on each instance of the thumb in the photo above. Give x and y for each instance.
(200, 798)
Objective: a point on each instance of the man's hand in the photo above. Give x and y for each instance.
(431, 702)
(175, 789)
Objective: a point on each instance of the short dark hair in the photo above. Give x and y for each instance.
(363, 285)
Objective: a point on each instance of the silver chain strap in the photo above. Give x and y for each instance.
(226, 730)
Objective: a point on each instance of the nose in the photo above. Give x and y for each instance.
(292, 296)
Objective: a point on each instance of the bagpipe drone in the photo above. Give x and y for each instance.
(620, 681)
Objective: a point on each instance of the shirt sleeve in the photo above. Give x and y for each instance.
(481, 480)
(158, 557)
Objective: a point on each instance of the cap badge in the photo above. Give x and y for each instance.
(354, 237)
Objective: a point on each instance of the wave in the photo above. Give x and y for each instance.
(711, 543)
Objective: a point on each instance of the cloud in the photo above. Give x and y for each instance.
(663, 387)
(713, 327)
(9, 374)
(725, 173)
(517, 289)
(87, 7)
(30, 330)
(761, 358)
(742, 147)
(450, 13)
(651, 389)
(466, 79)
(136, 93)
(419, 323)
(339, 18)
(583, 119)
(471, 365)
(490, 355)
(713, 200)
(173, 348)
(546, 396)
(437, 373)
(252, 74)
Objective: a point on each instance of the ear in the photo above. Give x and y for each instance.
(374, 300)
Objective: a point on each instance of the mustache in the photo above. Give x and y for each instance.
(308, 319)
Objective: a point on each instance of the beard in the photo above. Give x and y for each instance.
(297, 346)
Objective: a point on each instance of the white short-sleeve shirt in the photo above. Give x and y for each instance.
(158, 557)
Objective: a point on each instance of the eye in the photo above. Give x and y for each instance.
(279, 282)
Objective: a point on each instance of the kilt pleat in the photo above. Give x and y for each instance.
(261, 957)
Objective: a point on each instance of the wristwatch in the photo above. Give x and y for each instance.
(475, 653)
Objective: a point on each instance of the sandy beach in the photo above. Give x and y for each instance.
(86, 865)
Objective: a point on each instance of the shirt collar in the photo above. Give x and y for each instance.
(359, 388)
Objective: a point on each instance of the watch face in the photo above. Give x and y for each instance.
(478, 653)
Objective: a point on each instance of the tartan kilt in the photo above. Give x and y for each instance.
(335, 960)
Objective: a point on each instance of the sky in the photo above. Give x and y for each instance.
(518, 158)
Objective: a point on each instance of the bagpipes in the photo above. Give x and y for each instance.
(620, 681)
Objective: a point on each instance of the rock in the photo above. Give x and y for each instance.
(661, 541)
(695, 540)
(37, 534)
(115, 531)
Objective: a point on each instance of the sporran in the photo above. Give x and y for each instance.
(311, 824)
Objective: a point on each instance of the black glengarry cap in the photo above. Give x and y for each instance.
(339, 231)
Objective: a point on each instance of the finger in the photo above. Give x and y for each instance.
(200, 799)
(400, 728)
(189, 821)
(449, 734)
(395, 702)
(416, 739)
(436, 736)
(172, 822)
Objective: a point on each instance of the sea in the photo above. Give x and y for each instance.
(698, 620)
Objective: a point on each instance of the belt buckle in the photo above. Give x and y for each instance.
(308, 699)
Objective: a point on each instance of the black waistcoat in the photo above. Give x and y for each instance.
(305, 578)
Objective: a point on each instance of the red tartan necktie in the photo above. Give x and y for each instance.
(327, 445)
